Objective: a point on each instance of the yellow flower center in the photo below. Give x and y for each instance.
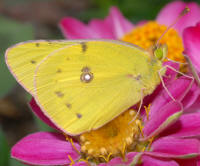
(146, 36)
(113, 139)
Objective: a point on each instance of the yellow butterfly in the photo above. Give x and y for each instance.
(83, 84)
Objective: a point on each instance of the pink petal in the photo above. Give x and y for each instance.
(188, 125)
(119, 25)
(171, 147)
(171, 11)
(188, 162)
(150, 161)
(36, 109)
(170, 74)
(166, 116)
(74, 29)
(102, 28)
(195, 107)
(191, 97)
(45, 148)
(82, 163)
(140, 23)
(177, 90)
(114, 26)
(119, 160)
(191, 39)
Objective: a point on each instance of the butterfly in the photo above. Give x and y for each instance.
(83, 84)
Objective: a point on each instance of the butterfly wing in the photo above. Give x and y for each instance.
(83, 86)
(23, 58)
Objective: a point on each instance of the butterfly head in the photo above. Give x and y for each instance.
(160, 52)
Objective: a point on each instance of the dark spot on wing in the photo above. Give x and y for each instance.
(59, 93)
(87, 75)
(68, 59)
(79, 115)
(59, 71)
(85, 69)
(33, 62)
(69, 105)
(138, 77)
(49, 42)
(37, 44)
(84, 46)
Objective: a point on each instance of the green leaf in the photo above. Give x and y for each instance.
(41, 125)
(134, 10)
(11, 33)
(4, 150)
(14, 162)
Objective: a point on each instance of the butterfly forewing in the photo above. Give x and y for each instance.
(85, 85)
(23, 58)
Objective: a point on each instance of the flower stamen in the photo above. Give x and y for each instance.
(113, 139)
(124, 149)
(72, 143)
(140, 127)
(144, 148)
(147, 110)
(123, 155)
(72, 161)
(150, 143)
(109, 155)
(85, 160)
(106, 158)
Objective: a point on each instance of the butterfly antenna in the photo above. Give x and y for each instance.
(193, 70)
(176, 61)
(183, 12)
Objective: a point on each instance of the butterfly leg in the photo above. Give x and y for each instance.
(139, 109)
(168, 92)
(193, 70)
(176, 61)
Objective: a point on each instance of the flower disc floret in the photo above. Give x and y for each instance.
(148, 34)
(114, 138)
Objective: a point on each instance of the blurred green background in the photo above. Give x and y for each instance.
(22, 20)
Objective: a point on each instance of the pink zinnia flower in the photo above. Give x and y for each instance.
(166, 134)
(144, 34)
(115, 26)
(191, 38)
(166, 139)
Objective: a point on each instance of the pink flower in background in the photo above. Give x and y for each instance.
(144, 34)
(173, 9)
(170, 131)
(115, 26)
(191, 38)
